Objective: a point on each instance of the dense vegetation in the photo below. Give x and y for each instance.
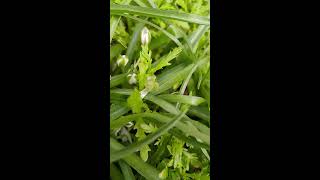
(160, 89)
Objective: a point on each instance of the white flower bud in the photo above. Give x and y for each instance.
(133, 79)
(117, 131)
(130, 124)
(145, 36)
(122, 60)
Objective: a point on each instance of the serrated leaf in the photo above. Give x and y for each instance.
(164, 61)
(135, 102)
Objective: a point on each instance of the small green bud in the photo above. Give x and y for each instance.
(151, 83)
(122, 60)
(133, 79)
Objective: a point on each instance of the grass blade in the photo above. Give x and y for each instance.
(163, 104)
(188, 129)
(115, 50)
(170, 77)
(136, 162)
(169, 108)
(196, 36)
(115, 172)
(116, 9)
(119, 111)
(113, 25)
(191, 100)
(134, 42)
(126, 170)
(189, 140)
(149, 139)
(173, 38)
(201, 112)
(157, 156)
(140, 3)
(118, 79)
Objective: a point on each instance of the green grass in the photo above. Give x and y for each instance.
(159, 89)
(116, 9)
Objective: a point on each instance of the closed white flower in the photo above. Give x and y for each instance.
(145, 36)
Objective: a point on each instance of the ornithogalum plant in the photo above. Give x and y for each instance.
(159, 89)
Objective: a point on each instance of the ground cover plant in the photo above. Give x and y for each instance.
(159, 89)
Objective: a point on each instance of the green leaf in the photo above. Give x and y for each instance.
(144, 152)
(173, 38)
(113, 25)
(116, 9)
(149, 139)
(201, 112)
(118, 79)
(161, 79)
(164, 61)
(158, 155)
(135, 102)
(170, 77)
(191, 100)
(115, 172)
(134, 42)
(126, 170)
(117, 110)
(188, 129)
(146, 170)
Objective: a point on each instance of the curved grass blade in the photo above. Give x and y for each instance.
(203, 128)
(173, 38)
(167, 107)
(133, 43)
(188, 46)
(196, 36)
(113, 25)
(170, 77)
(140, 3)
(115, 50)
(171, 109)
(149, 139)
(191, 100)
(201, 112)
(185, 83)
(146, 170)
(189, 140)
(126, 92)
(188, 129)
(152, 12)
(126, 171)
(115, 172)
(118, 111)
(163, 104)
(159, 42)
(118, 99)
(157, 156)
(118, 79)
